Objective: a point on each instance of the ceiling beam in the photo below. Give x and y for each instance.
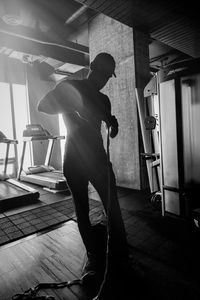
(66, 52)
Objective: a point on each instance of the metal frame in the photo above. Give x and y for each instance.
(51, 140)
(176, 73)
(58, 183)
(180, 144)
(29, 193)
(6, 159)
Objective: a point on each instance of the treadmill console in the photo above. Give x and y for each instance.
(35, 130)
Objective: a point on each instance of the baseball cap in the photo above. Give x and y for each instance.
(104, 62)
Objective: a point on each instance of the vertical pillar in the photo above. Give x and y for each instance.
(108, 35)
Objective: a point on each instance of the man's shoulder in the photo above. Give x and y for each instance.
(80, 84)
(74, 82)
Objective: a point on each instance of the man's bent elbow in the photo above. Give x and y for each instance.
(41, 108)
(46, 109)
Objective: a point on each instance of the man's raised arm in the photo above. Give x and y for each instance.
(63, 98)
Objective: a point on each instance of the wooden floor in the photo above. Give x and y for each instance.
(165, 257)
(55, 256)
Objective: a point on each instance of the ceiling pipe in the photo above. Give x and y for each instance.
(75, 15)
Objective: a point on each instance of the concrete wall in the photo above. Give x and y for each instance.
(108, 35)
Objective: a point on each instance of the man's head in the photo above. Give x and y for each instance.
(102, 68)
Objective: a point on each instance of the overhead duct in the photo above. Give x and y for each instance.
(74, 16)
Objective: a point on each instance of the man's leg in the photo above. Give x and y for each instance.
(118, 272)
(117, 235)
(79, 189)
(78, 184)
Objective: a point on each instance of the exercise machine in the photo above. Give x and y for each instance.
(43, 175)
(179, 90)
(12, 191)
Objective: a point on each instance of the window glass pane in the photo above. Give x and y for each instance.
(10, 169)
(21, 120)
(6, 125)
(5, 111)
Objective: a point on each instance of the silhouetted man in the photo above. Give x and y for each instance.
(84, 108)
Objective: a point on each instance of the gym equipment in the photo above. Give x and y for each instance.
(44, 175)
(149, 136)
(179, 88)
(150, 122)
(148, 117)
(10, 189)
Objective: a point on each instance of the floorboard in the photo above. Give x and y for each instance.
(55, 256)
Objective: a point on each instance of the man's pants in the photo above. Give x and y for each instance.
(78, 176)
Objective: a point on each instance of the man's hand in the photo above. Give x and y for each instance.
(113, 127)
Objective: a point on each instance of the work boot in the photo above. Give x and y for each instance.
(96, 260)
(92, 273)
(90, 264)
(118, 281)
(92, 276)
(122, 283)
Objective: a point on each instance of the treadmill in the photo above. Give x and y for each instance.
(44, 175)
(11, 190)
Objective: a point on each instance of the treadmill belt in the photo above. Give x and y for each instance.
(53, 175)
(52, 180)
(8, 190)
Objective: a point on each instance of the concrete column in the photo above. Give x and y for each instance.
(108, 35)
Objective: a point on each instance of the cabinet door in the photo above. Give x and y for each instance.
(169, 155)
(190, 90)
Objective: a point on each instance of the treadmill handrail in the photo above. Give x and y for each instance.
(8, 141)
(42, 138)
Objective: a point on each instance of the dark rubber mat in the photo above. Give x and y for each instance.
(35, 220)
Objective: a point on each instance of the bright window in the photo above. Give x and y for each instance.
(6, 125)
(14, 116)
(21, 112)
